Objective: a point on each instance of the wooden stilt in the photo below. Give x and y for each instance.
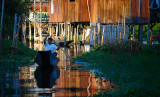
(2, 14)
(68, 32)
(99, 34)
(95, 36)
(77, 34)
(84, 35)
(71, 33)
(59, 29)
(148, 33)
(41, 39)
(102, 41)
(17, 36)
(140, 34)
(124, 24)
(30, 35)
(50, 29)
(56, 32)
(34, 20)
(133, 35)
(74, 35)
(65, 29)
(14, 33)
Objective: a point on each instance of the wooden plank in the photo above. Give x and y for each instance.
(60, 15)
(77, 10)
(105, 12)
(135, 11)
(85, 16)
(71, 11)
(101, 11)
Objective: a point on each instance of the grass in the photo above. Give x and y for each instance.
(136, 73)
(11, 61)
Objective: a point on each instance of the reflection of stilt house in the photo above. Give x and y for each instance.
(117, 15)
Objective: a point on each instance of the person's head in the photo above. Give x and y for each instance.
(50, 40)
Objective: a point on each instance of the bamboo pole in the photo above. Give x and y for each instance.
(71, 33)
(140, 34)
(34, 20)
(102, 41)
(118, 29)
(124, 24)
(1, 26)
(61, 30)
(17, 36)
(68, 32)
(65, 29)
(14, 33)
(41, 39)
(74, 35)
(94, 36)
(84, 35)
(99, 34)
(77, 34)
(57, 31)
(25, 28)
(148, 33)
(133, 32)
(30, 35)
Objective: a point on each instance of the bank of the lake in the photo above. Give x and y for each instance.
(8, 60)
(135, 71)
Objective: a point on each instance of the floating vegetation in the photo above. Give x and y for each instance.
(136, 72)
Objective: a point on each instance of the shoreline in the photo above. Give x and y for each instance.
(135, 74)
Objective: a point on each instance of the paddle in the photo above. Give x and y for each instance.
(71, 59)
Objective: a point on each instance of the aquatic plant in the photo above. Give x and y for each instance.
(136, 73)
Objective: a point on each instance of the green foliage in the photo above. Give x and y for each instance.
(21, 7)
(145, 27)
(136, 74)
(22, 58)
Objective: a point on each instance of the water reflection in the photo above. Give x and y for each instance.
(46, 77)
(63, 80)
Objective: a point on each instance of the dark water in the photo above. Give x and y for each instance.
(64, 80)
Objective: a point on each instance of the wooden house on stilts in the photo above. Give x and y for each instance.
(112, 19)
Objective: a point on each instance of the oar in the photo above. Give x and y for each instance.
(71, 59)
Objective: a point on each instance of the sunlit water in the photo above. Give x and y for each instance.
(65, 80)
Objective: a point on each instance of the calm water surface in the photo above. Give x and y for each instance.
(64, 81)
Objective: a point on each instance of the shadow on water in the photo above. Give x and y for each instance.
(64, 80)
(46, 76)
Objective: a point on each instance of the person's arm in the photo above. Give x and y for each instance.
(45, 39)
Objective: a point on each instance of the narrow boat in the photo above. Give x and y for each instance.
(46, 59)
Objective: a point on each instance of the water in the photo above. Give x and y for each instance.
(65, 80)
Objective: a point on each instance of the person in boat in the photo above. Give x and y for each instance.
(50, 46)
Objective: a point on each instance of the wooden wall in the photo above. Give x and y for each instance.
(106, 11)
(110, 11)
(64, 10)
